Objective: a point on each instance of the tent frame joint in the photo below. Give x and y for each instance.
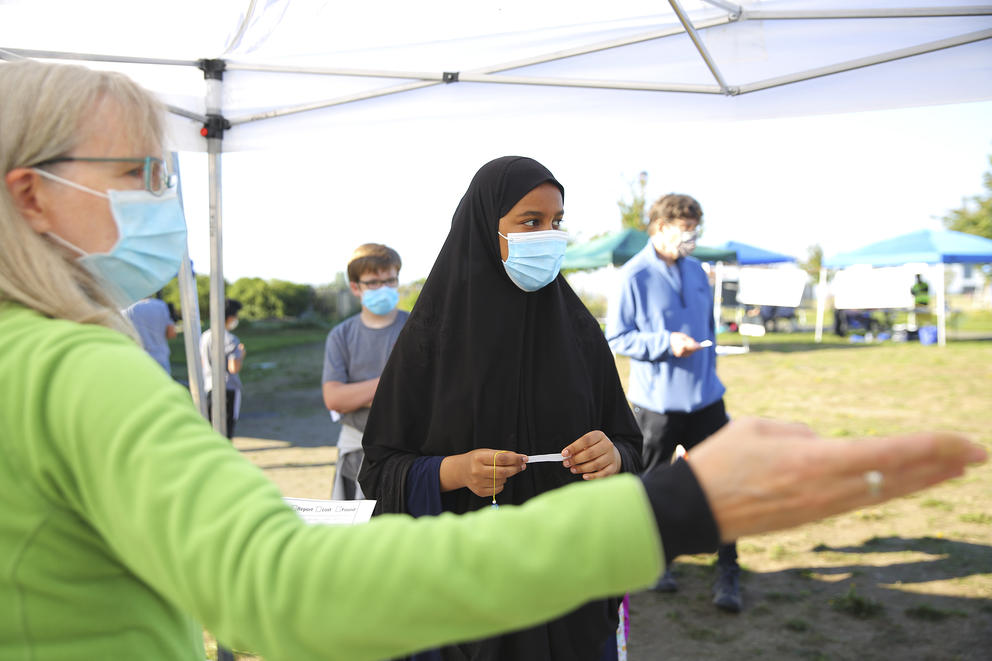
(213, 69)
(214, 126)
(450, 76)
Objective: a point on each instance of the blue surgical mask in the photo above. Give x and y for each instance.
(381, 300)
(151, 242)
(687, 243)
(534, 258)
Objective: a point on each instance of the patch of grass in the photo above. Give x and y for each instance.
(931, 614)
(797, 625)
(779, 552)
(784, 597)
(937, 504)
(708, 635)
(872, 514)
(976, 517)
(855, 605)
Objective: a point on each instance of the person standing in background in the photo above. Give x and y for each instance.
(153, 320)
(234, 353)
(355, 354)
(664, 312)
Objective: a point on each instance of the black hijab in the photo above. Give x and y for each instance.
(482, 364)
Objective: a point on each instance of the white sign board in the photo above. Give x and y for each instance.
(865, 288)
(332, 512)
(780, 287)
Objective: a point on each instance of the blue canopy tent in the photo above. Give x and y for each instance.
(750, 255)
(933, 247)
(924, 247)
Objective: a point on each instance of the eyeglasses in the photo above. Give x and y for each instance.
(156, 175)
(375, 284)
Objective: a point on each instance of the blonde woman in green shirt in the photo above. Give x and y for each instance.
(128, 522)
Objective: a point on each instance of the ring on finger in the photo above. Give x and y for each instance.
(874, 480)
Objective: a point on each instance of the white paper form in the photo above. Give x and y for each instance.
(332, 512)
(538, 458)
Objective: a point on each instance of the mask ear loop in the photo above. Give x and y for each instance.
(498, 452)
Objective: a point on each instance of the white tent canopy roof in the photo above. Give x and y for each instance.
(309, 68)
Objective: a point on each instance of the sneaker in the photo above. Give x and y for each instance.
(666, 583)
(727, 590)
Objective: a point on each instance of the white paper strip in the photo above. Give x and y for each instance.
(706, 343)
(537, 458)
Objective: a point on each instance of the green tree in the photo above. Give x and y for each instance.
(170, 294)
(975, 214)
(296, 299)
(410, 293)
(632, 214)
(814, 261)
(258, 298)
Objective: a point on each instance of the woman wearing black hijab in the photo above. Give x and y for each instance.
(498, 361)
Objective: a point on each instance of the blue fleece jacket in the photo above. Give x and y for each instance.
(653, 304)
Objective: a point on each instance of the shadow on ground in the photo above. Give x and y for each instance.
(851, 611)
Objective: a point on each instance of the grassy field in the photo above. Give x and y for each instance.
(909, 579)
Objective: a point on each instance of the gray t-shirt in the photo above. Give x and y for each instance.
(150, 317)
(231, 350)
(354, 352)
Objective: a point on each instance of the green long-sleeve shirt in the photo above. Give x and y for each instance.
(126, 520)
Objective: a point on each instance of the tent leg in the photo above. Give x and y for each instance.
(941, 304)
(821, 302)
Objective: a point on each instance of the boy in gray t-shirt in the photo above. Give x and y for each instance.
(356, 353)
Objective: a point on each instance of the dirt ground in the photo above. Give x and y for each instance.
(883, 583)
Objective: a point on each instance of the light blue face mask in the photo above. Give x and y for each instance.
(381, 300)
(534, 258)
(151, 242)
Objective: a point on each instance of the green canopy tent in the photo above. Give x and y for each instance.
(615, 248)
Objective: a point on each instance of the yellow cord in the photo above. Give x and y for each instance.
(494, 475)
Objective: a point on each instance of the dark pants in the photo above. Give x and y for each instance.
(230, 410)
(663, 431)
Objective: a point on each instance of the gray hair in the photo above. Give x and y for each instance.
(46, 110)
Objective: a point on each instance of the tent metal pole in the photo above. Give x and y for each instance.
(482, 78)
(895, 12)
(717, 296)
(701, 47)
(189, 303)
(821, 302)
(218, 363)
(591, 83)
(860, 63)
(504, 66)
(96, 57)
(941, 304)
(478, 75)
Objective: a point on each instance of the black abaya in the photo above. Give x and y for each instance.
(483, 364)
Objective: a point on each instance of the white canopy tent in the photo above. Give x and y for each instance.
(262, 74)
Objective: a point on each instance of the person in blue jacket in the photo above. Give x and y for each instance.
(663, 315)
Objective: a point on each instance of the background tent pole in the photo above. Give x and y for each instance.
(941, 306)
(821, 301)
(717, 296)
